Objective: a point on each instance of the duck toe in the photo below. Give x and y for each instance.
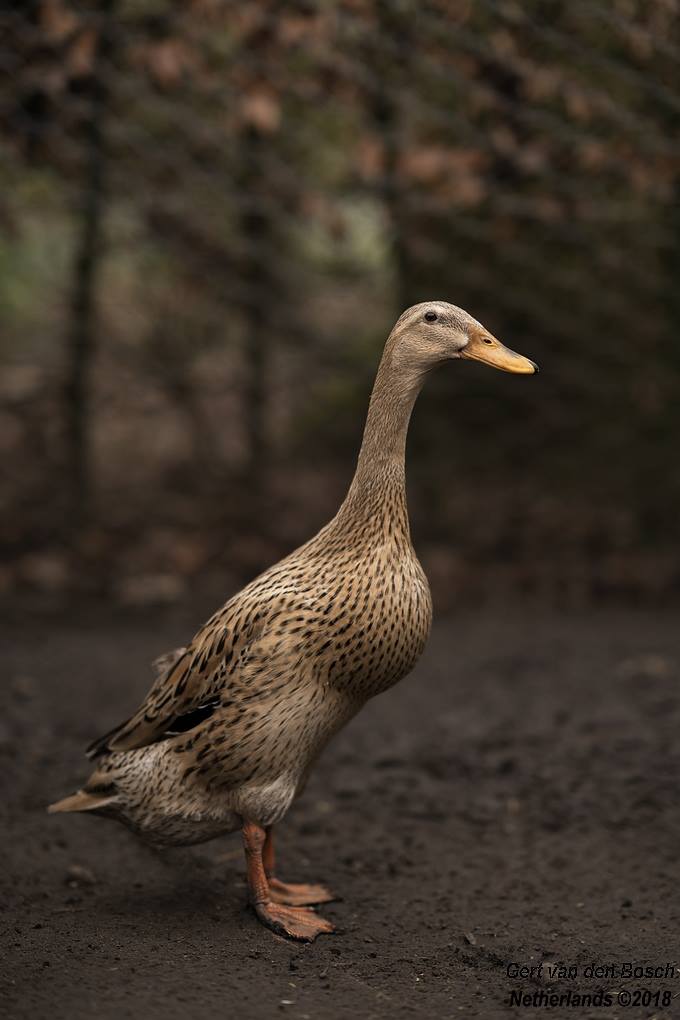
(299, 894)
(299, 923)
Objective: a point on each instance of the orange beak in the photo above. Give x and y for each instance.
(484, 347)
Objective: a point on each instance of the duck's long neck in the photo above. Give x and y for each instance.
(378, 490)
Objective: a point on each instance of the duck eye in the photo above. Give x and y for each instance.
(430, 316)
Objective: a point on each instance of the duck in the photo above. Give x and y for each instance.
(234, 721)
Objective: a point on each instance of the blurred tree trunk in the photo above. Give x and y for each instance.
(259, 234)
(663, 439)
(671, 291)
(258, 283)
(390, 55)
(81, 341)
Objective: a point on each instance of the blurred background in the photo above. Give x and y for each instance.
(211, 214)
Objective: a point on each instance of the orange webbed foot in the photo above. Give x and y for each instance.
(298, 923)
(302, 894)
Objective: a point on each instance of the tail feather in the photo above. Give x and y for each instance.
(111, 740)
(101, 744)
(82, 800)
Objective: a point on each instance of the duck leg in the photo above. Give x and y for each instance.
(296, 922)
(294, 894)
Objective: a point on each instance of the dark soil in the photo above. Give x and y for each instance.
(514, 801)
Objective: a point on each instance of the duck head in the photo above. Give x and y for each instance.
(432, 332)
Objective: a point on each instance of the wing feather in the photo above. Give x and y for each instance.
(187, 680)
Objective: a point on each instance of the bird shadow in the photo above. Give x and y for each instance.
(182, 900)
(175, 883)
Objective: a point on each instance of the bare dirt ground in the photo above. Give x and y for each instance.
(514, 801)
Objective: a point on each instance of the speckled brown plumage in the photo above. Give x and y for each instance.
(231, 727)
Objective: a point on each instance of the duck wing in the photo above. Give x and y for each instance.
(187, 686)
(164, 663)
